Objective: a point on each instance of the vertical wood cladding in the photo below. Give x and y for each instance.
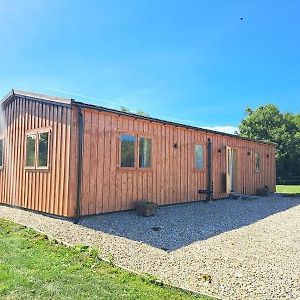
(42, 190)
(105, 187)
(172, 179)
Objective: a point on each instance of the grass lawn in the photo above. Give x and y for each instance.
(289, 189)
(33, 267)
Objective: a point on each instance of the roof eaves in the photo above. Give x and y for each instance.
(150, 119)
(36, 97)
(69, 102)
(7, 96)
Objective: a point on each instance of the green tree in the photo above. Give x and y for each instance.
(268, 123)
(124, 109)
(142, 113)
(138, 112)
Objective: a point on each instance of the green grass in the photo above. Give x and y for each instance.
(288, 189)
(33, 267)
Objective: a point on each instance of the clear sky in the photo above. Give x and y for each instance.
(190, 61)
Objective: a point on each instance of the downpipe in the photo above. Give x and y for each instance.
(79, 164)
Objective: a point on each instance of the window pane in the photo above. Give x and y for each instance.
(1, 152)
(127, 150)
(199, 161)
(30, 150)
(145, 150)
(43, 149)
(257, 161)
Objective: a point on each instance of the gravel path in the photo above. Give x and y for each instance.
(249, 249)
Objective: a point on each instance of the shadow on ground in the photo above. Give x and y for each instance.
(173, 227)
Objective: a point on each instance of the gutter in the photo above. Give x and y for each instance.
(79, 163)
(150, 119)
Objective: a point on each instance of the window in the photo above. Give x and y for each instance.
(135, 151)
(37, 150)
(145, 150)
(257, 161)
(1, 152)
(127, 150)
(199, 157)
(30, 150)
(43, 149)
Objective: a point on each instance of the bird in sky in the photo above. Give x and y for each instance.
(241, 18)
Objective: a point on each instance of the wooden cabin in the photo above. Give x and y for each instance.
(68, 158)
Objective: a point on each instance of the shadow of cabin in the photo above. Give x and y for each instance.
(177, 226)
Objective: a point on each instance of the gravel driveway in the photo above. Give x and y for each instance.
(233, 249)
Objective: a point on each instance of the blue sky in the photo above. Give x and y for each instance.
(190, 61)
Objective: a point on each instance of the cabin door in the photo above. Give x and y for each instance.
(231, 170)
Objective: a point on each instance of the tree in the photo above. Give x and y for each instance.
(142, 113)
(124, 109)
(138, 112)
(268, 123)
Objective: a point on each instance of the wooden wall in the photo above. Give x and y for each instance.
(106, 188)
(42, 190)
